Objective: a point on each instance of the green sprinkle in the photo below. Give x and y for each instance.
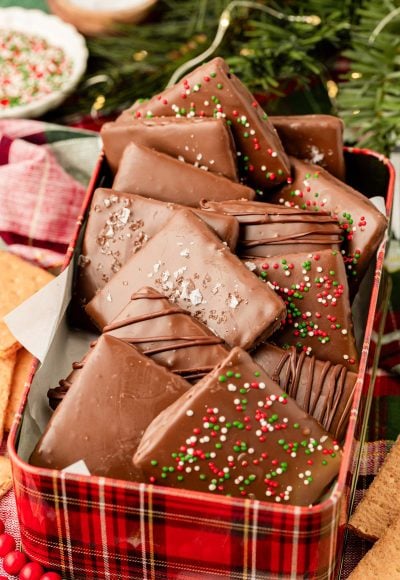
(180, 478)
(154, 462)
(229, 374)
(222, 378)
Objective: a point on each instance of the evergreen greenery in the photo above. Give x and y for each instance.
(292, 61)
(369, 102)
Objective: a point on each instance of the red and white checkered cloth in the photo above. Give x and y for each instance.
(39, 199)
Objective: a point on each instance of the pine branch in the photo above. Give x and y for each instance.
(369, 102)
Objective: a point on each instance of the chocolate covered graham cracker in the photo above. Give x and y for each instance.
(267, 229)
(114, 397)
(311, 187)
(168, 334)
(163, 331)
(320, 388)
(119, 224)
(237, 433)
(146, 172)
(194, 269)
(314, 138)
(204, 142)
(315, 291)
(212, 90)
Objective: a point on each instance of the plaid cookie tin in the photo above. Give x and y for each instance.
(94, 528)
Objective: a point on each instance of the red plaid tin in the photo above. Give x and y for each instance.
(94, 527)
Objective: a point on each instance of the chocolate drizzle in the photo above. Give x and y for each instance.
(266, 229)
(322, 389)
(167, 333)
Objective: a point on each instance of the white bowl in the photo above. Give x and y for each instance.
(57, 33)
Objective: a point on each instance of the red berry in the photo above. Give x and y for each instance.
(51, 576)
(14, 561)
(2, 528)
(31, 571)
(7, 544)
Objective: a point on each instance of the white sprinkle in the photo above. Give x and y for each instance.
(185, 253)
(189, 413)
(250, 266)
(108, 298)
(232, 388)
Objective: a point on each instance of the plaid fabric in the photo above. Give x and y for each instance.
(103, 529)
(39, 198)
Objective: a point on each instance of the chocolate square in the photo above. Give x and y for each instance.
(237, 433)
(311, 187)
(194, 269)
(119, 224)
(113, 398)
(267, 229)
(146, 172)
(203, 142)
(168, 334)
(314, 138)
(211, 90)
(315, 291)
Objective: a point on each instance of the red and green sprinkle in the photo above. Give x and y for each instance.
(30, 68)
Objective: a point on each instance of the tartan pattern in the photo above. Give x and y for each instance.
(100, 528)
(103, 529)
(30, 171)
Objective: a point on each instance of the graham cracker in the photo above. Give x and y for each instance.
(381, 503)
(6, 481)
(20, 375)
(6, 372)
(19, 281)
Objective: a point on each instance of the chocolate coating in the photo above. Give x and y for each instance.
(115, 396)
(212, 90)
(320, 388)
(188, 263)
(205, 143)
(237, 433)
(314, 138)
(363, 224)
(267, 229)
(118, 225)
(146, 172)
(315, 291)
(168, 334)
